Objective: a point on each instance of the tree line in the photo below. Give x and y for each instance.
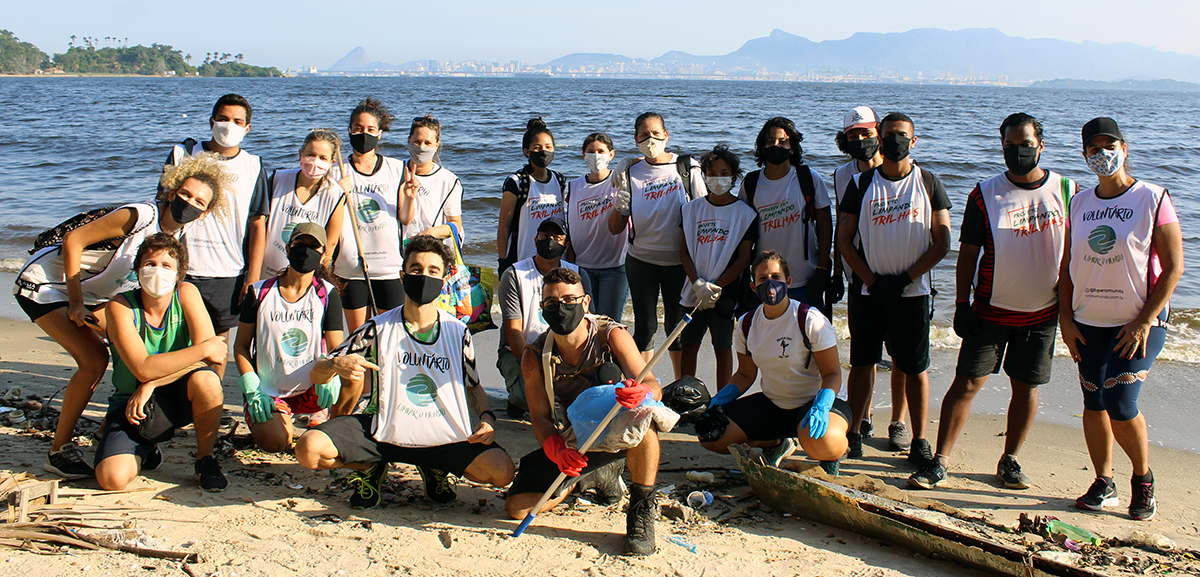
(112, 55)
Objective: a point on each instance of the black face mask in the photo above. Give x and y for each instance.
(549, 248)
(864, 149)
(363, 142)
(183, 212)
(895, 147)
(1021, 160)
(563, 318)
(303, 259)
(776, 155)
(541, 158)
(422, 289)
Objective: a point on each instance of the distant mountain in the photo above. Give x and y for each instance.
(358, 61)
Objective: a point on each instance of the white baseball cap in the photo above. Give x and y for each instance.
(860, 117)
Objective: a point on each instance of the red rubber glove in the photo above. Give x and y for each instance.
(570, 462)
(631, 394)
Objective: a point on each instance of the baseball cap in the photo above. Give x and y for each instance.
(860, 117)
(1102, 126)
(311, 229)
(555, 222)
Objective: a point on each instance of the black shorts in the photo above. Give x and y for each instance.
(35, 310)
(537, 472)
(220, 299)
(120, 437)
(717, 321)
(1029, 351)
(389, 294)
(351, 435)
(902, 324)
(762, 420)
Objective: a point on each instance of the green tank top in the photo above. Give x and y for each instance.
(172, 336)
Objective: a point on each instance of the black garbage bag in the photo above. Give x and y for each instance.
(688, 397)
(710, 426)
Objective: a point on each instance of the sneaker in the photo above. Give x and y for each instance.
(866, 428)
(153, 460)
(899, 437)
(775, 455)
(639, 521)
(1009, 471)
(516, 413)
(1142, 505)
(831, 468)
(1102, 493)
(439, 485)
(68, 463)
(368, 486)
(605, 482)
(854, 445)
(920, 453)
(930, 476)
(208, 473)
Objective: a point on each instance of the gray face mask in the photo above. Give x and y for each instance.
(420, 154)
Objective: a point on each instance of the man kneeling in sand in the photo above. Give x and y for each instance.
(581, 344)
(426, 392)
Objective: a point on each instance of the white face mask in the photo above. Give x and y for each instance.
(596, 161)
(1106, 162)
(718, 184)
(421, 154)
(157, 282)
(652, 147)
(228, 134)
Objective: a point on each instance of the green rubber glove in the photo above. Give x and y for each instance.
(261, 405)
(328, 393)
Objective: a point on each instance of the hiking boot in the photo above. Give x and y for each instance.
(854, 445)
(368, 486)
(866, 428)
(899, 437)
(1142, 505)
(639, 521)
(153, 460)
(920, 453)
(208, 473)
(775, 455)
(439, 485)
(67, 462)
(930, 476)
(516, 413)
(1102, 493)
(605, 482)
(1009, 471)
(831, 468)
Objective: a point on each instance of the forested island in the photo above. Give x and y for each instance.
(1165, 85)
(110, 55)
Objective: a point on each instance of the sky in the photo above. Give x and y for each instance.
(299, 33)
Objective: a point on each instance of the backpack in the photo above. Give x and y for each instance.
(808, 189)
(801, 315)
(523, 178)
(54, 235)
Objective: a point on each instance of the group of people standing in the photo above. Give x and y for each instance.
(297, 259)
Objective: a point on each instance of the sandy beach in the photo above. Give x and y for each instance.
(277, 518)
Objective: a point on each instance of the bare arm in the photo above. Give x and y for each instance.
(685, 256)
(824, 237)
(1168, 244)
(540, 407)
(241, 348)
(333, 231)
(256, 245)
(740, 263)
(847, 229)
(964, 271)
(1066, 311)
(617, 221)
(508, 204)
(830, 367)
(114, 224)
(516, 336)
(146, 367)
(939, 229)
(747, 371)
(408, 196)
(629, 358)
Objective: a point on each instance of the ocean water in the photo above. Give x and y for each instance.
(67, 144)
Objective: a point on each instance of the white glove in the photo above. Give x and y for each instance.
(706, 294)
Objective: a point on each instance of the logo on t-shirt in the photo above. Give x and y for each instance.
(592, 208)
(710, 231)
(368, 210)
(1102, 239)
(778, 215)
(422, 391)
(544, 207)
(784, 343)
(660, 187)
(286, 234)
(293, 342)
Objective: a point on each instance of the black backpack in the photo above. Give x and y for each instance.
(54, 235)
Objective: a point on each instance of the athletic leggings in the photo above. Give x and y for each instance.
(1111, 383)
(645, 282)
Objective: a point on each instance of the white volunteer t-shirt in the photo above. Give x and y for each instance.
(287, 211)
(440, 196)
(656, 195)
(288, 338)
(375, 199)
(777, 347)
(713, 235)
(780, 206)
(215, 244)
(545, 200)
(588, 206)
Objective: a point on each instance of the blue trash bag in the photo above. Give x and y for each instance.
(593, 404)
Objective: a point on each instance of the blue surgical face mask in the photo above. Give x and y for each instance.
(771, 291)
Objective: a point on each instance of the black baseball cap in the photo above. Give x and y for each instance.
(555, 222)
(1103, 126)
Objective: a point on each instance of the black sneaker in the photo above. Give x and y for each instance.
(153, 460)
(639, 521)
(516, 413)
(1142, 505)
(67, 462)
(208, 473)
(831, 468)
(854, 446)
(439, 485)
(899, 437)
(930, 476)
(866, 428)
(368, 486)
(1102, 493)
(920, 453)
(1009, 471)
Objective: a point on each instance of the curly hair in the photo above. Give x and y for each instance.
(425, 243)
(161, 241)
(375, 108)
(205, 168)
(789, 128)
(722, 152)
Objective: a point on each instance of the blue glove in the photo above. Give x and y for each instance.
(817, 419)
(328, 393)
(726, 396)
(261, 405)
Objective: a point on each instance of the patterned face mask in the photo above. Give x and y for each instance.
(1106, 162)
